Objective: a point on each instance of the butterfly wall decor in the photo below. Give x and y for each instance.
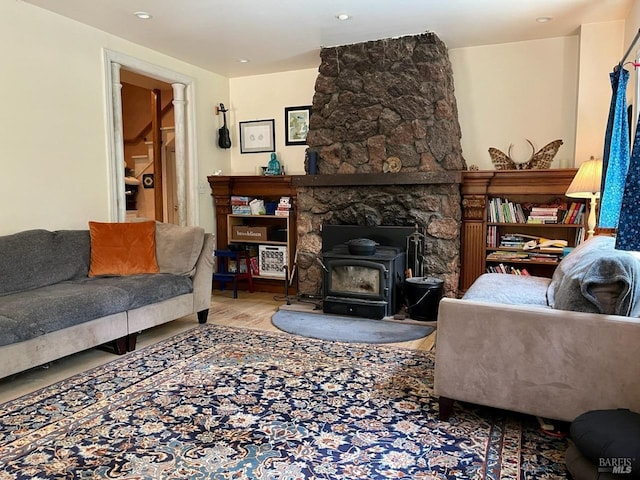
(539, 160)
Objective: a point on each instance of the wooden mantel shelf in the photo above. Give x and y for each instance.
(363, 179)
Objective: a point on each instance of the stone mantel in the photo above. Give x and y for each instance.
(365, 179)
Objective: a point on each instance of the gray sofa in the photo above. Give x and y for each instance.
(50, 307)
(553, 348)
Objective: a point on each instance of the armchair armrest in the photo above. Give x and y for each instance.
(203, 276)
(550, 363)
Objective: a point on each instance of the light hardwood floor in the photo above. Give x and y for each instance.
(249, 310)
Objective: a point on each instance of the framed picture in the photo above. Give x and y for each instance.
(257, 136)
(296, 121)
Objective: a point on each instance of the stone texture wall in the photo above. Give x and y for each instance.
(387, 98)
(376, 101)
(428, 206)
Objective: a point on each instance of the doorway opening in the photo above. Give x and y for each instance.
(175, 161)
(148, 124)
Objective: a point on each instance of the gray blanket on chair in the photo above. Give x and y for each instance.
(597, 278)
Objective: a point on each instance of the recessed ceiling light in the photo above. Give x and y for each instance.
(543, 19)
(343, 16)
(143, 15)
(243, 60)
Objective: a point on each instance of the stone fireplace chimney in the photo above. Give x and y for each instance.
(382, 99)
(384, 124)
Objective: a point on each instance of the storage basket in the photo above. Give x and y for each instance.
(271, 260)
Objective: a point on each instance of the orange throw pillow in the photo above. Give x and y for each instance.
(123, 248)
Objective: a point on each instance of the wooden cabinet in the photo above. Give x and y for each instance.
(280, 231)
(519, 186)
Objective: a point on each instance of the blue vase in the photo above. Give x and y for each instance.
(312, 163)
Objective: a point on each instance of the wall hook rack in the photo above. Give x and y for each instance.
(220, 108)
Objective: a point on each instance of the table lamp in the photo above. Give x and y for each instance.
(586, 184)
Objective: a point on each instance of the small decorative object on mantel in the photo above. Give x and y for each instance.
(273, 167)
(392, 165)
(539, 160)
(311, 162)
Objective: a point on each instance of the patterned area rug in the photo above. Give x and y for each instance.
(226, 403)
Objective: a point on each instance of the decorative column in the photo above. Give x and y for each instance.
(118, 143)
(179, 106)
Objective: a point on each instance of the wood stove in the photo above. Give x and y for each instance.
(368, 285)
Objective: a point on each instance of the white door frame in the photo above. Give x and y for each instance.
(187, 178)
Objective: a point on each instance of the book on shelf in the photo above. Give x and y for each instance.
(504, 211)
(284, 207)
(501, 210)
(504, 255)
(513, 241)
(239, 200)
(544, 210)
(542, 219)
(253, 265)
(576, 217)
(569, 212)
(241, 209)
(492, 236)
(508, 269)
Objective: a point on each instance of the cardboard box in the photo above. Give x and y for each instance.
(246, 233)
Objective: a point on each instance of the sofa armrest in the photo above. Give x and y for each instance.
(551, 363)
(203, 276)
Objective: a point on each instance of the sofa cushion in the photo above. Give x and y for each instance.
(37, 258)
(597, 278)
(122, 248)
(29, 314)
(509, 289)
(145, 289)
(178, 248)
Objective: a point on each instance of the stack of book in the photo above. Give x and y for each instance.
(240, 205)
(524, 256)
(284, 207)
(514, 240)
(543, 215)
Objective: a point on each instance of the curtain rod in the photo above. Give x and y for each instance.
(633, 42)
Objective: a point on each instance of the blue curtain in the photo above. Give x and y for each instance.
(615, 160)
(628, 235)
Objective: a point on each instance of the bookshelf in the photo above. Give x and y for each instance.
(273, 234)
(517, 192)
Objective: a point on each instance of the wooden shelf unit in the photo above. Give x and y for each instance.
(518, 186)
(271, 223)
(268, 188)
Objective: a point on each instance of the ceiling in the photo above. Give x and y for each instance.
(281, 35)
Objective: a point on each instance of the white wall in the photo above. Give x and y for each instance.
(512, 92)
(263, 97)
(53, 131)
(600, 49)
